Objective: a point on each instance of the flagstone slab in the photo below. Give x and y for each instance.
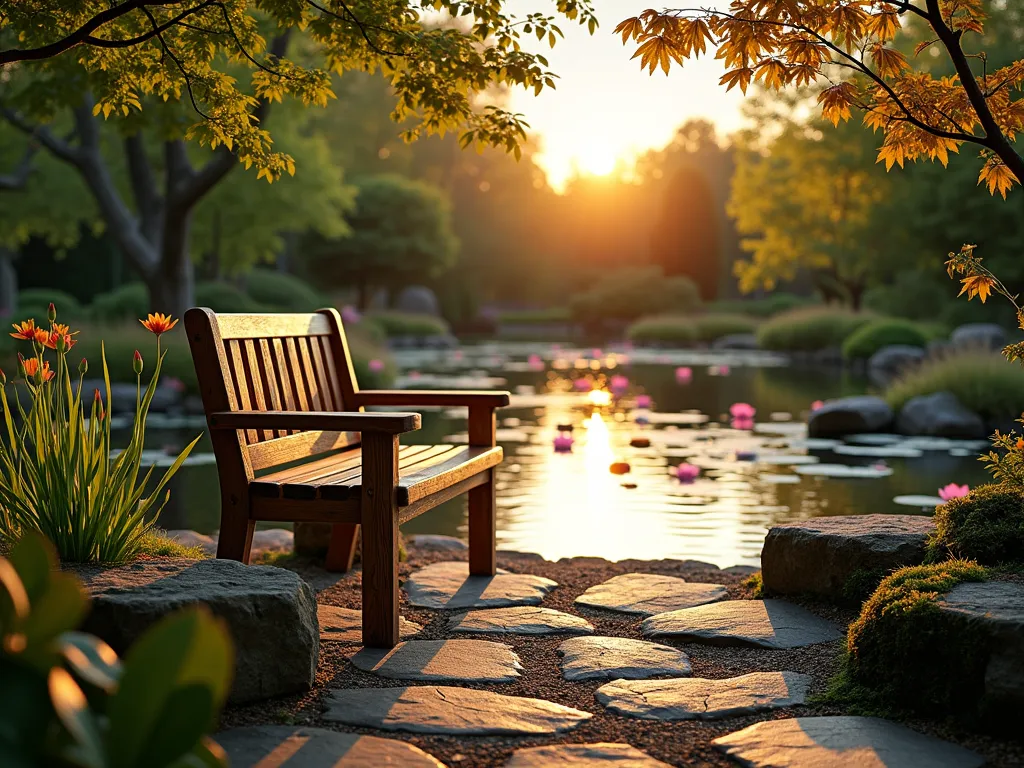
(583, 756)
(613, 658)
(520, 620)
(698, 698)
(449, 710)
(345, 625)
(648, 594)
(759, 623)
(841, 742)
(449, 585)
(442, 661)
(260, 746)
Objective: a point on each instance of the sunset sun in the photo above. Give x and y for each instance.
(597, 159)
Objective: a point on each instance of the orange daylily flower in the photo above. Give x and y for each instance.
(32, 368)
(41, 336)
(24, 330)
(55, 336)
(158, 323)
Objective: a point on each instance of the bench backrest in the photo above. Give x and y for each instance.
(273, 362)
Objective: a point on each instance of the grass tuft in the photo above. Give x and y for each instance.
(157, 544)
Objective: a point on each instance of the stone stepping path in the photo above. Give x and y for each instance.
(449, 585)
(759, 623)
(262, 746)
(449, 710)
(345, 625)
(442, 661)
(520, 620)
(841, 742)
(648, 594)
(615, 658)
(700, 699)
(583, 756)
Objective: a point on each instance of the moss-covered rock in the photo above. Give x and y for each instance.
(911, 654)
(986, 525)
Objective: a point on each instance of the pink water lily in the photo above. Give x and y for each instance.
(742, 411)
(350, 314)
(747, 424)
(535, 361)
(687, 473)
(563, 443)
(684, 374)
(643, 401)
(595, 352)
(953, 491)
(376, 365)
(582, 385)
(816, 405)
(618, 384)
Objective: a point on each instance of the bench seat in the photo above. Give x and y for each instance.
(423, 470)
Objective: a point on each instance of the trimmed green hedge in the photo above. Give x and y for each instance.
(282, 292)
(765, 307)
(810, 329)
(678, 330)
(224, 297)
(714, 326)
(986, 525)
(549, 316)
(984, 382)
(871, 337)
(406, 324)
(35, 302)
(129, 302)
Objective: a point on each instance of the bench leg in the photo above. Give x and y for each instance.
(342, 549)
(482, 561)
(379, 509)
(235, 538)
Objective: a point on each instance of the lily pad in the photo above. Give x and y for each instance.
(787, 459)
(874, 439)
(945, 444)
(813, 443)
(844, 471)
(893, 451)
(917, 500)
(773, 479)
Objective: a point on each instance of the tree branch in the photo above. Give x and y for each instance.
(22, 171)
(58, 147)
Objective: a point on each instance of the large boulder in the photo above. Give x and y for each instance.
(419, 300)
(939, 414)
(850, 415)
(987, 335)
(270, 612)
(835, 556)
(890, 361)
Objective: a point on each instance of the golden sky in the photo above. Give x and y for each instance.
(605, 110)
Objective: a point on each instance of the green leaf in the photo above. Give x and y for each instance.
(72, 709)
(55, 611)
(92, 660)
(185, 718)
(34, 560)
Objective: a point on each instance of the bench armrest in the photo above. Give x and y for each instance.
(486, 399)
(331, 421)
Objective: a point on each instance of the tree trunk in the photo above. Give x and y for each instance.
(855, 291)
(8, 283)
(362, 296)
(172, 286)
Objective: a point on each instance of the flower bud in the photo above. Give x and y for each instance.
(21, 364)
(51, 312)
(83, 368)
(3, 377)
(62, 345)
(137, 363)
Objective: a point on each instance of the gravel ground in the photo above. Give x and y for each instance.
(680, 743)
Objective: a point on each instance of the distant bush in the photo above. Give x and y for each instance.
(871, 337)
(810, 329)
(628, 294)
(714, 326)
(282, 292)
(224, 297)
(984, 382)
(129, 302)
(34, 302)
(764, 307)
(364, 349)
(551, 315)
(123, 339)
(986, 525)
(675, 330)
(406, 324)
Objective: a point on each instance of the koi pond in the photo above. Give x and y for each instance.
(654, 411)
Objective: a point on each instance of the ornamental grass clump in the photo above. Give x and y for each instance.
(57, 474)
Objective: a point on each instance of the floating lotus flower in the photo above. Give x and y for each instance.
(618, 384)
(687, 473)
(684, 374)
(595, 352)
(723, 370)
(643, 401)
(747, 424)
(640, 442)
(816, 405)
(563, 443)
(350, 314)
(376, 366)
(619, 468)
(953, 491)
(742, 411)
(535, 362)
(582, 385)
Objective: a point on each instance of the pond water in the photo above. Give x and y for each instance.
(563, 504)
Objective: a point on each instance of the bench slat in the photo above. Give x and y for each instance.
(237, 326)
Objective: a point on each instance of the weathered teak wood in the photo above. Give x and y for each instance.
(281, 399)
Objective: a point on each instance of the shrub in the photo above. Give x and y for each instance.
(364, 350)
(810, 329)
(57, 476)
(282, 292)
(34, 302)
(407, 324)
(676, 330)
(121, 341)
(548, 316)
(152, 709)
(628, 294)
(714, 326)
(986, 525)
(908, 652)
(984, 382)
(871, 337)
(128, 302)
(764, 307)
(224, 297)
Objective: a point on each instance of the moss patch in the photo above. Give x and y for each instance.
(986, 525)
(156, 544)
(861, 584)
(904, 652)
(755, 583)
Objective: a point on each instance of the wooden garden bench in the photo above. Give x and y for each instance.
(293, 445)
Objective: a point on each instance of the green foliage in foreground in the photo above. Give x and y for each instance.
(871, 337)
(904, 652)
(986, 525)
(628, 294)
(769, 306)
(984, 382)
(67, 701)
(810, 329)
(406, 324)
